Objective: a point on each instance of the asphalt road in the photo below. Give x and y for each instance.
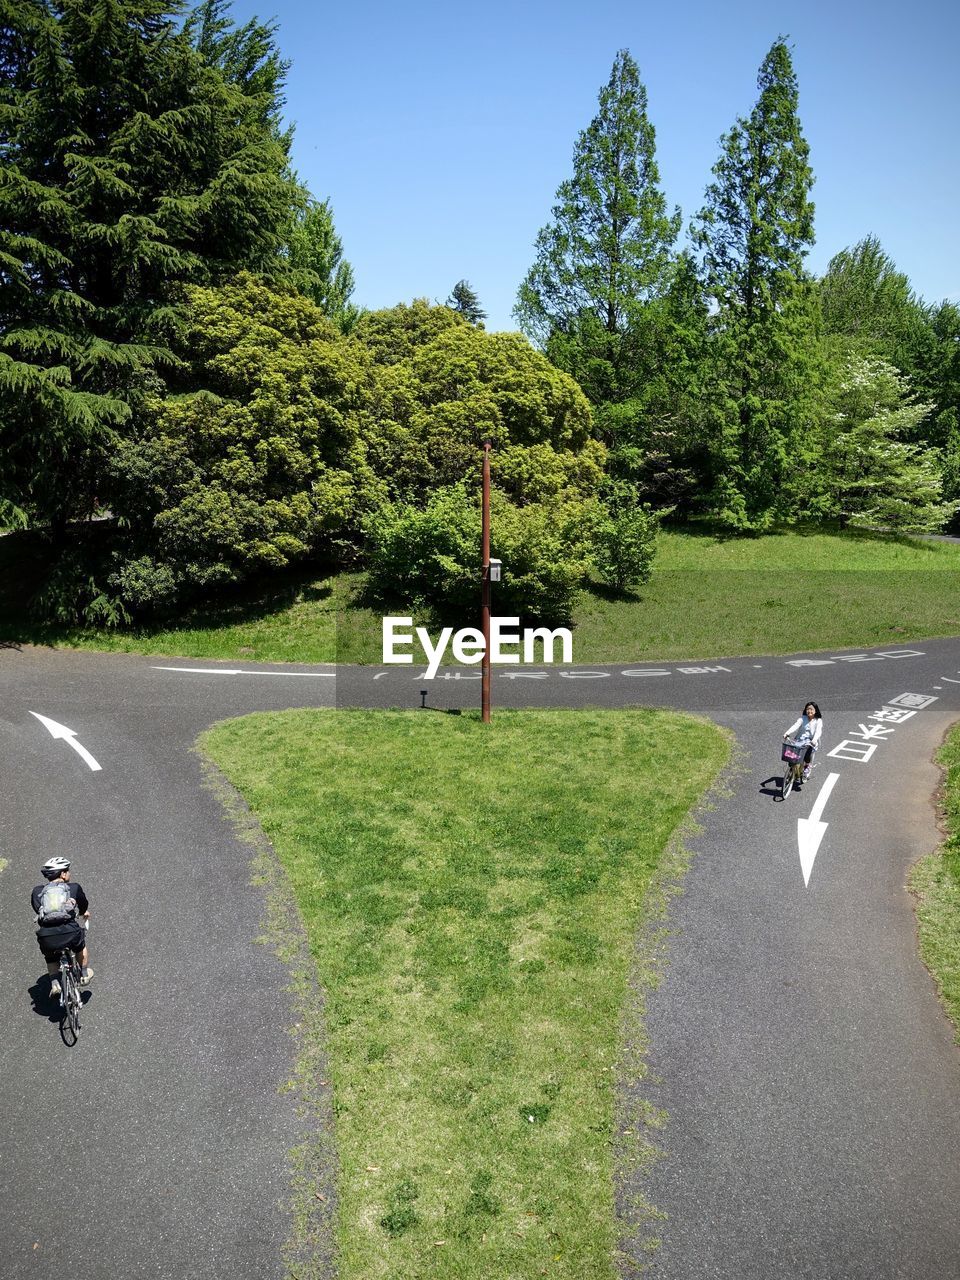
(796, 1042)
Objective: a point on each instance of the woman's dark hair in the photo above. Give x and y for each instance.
(810, 703)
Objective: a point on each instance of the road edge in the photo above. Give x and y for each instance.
(932, 899)
(309, 1252)
(637, 1122)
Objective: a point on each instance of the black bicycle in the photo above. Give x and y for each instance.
(71, 999)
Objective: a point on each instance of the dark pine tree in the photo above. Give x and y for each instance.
(129, 165)
(465, 301)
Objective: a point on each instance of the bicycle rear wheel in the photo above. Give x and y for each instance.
(70, 1000)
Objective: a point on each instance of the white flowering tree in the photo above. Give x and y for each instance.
(867, 472)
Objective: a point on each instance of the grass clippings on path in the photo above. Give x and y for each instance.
(471, 895)
(935, 880)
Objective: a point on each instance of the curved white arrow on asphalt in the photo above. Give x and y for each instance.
(810, 830)
(70, 738)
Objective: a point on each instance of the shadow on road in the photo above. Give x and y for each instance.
(47, 1006)
(771, 787)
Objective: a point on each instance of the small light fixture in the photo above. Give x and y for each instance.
(495, 568)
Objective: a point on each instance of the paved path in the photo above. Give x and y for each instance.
(811, 1079)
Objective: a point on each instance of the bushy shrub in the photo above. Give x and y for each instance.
(429, 555)
(257, 463)
(624, 543)
(436, 400)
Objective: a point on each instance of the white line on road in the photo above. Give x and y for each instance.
(225, 671)
(70, 738)
(810, 830)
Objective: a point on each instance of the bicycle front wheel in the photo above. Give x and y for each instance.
(786, 786)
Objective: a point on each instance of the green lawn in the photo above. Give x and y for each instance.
(707, 598)
(473, 927)
(936, 882)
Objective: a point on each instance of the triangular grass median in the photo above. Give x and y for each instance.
(471, 895)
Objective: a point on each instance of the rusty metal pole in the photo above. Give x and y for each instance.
(485, 591)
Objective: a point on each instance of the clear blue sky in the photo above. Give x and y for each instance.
(440, 131)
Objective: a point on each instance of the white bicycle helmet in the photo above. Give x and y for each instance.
(53, 866)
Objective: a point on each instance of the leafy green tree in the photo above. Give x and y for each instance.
(260, 466)
(870, 309)
(656, 434)
(457, 386)
(607, 253)
(866, 300)
(129, 167)
(465, 302)
(937, 372)
(442, 388)
(753, 234)
(395, 333)
(865, 471)
(315, 255)
(246, 56)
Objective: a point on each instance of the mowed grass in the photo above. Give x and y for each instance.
(777, 594)
(471, 895)
(780, 593)
(936, 882)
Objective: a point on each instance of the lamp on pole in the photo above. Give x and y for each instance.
(485, 589)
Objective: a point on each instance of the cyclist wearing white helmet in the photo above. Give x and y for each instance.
(59, 905)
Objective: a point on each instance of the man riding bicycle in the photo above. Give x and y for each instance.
(59, 905)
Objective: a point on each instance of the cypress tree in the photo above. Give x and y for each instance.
(607, 252)
(754, 232)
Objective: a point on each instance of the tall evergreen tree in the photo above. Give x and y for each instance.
(463, 300)
(754, 232)
(867, 468)
(128, 166)
(311, 254)
(246, 56)
(607, 253)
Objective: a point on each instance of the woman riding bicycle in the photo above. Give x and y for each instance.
(805, 732)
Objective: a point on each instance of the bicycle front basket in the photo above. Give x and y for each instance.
(791, 754)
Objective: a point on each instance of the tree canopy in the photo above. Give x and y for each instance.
(130, 168)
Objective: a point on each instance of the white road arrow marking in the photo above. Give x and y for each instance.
(810, 830)
(226, 671)
(70, 738)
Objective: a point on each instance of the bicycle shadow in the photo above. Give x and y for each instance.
(772, 787)
(45, 1005)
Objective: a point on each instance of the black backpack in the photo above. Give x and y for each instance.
(56, 905)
